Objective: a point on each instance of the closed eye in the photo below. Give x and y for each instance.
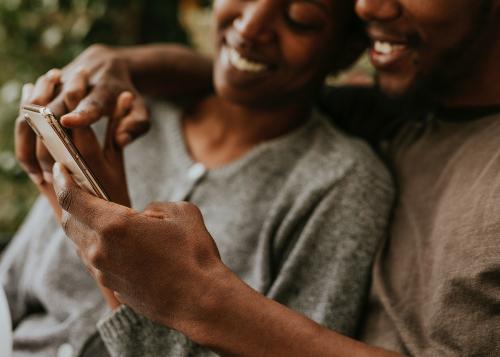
(306, 15)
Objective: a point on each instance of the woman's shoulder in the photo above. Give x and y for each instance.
(333, 155)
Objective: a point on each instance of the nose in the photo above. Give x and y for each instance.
(255, 24)
(378, 10)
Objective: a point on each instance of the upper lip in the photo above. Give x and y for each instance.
(247, 50)
(385, 35)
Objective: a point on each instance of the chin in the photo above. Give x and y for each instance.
(394, 85)
(245, 98)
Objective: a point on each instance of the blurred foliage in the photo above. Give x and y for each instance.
(36, 35)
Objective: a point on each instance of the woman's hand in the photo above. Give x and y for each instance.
(27, 142)
(106, 162)
(81, 93)
(161, 262)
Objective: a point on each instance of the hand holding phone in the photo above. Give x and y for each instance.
(61, 147)
(99, 169)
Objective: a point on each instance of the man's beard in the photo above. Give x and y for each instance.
(453, 68)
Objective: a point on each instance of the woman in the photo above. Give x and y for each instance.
(296, 208)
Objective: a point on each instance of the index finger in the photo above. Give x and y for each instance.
(98, 103)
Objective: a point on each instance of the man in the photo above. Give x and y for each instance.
(436, 287)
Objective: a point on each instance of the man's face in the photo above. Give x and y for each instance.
(433, 44)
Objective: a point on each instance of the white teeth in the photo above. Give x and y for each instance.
(244, 64)
(383, 47)
(386, 48)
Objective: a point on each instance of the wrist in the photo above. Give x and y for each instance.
(130, 57)
(216, 289)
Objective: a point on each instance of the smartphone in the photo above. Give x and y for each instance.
(59, 144)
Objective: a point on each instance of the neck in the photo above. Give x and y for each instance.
(218, 131)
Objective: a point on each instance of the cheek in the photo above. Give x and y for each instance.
(304, 55)
(443, 23)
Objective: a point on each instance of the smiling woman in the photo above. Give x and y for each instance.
(247, 58)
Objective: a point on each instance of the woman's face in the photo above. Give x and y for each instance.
(271, 51)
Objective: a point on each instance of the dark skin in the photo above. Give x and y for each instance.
(448, 47)
(88, 89)
(232, 318)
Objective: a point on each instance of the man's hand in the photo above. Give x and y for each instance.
(159, 262)
(81, 93)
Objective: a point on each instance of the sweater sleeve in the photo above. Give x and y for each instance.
(325, 269)
(13, 265)
(127, 334)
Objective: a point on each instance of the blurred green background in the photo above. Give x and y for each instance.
(37, 35)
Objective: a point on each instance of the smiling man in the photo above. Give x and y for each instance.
(436, 283)
(435, 289)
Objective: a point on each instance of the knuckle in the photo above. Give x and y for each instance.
(188, 208)
(81, 72)
(74, 94)
(154, 206)
(65, 198)
(94, 106)
(66, 222)
(41, 80)
(115, 226)
(96, 48)
(53, 75)
(97, 256)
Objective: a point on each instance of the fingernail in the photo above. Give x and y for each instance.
(36, 178)
(47, 176)
(68, 119)
(54, 74)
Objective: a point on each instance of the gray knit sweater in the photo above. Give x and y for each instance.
(298, 219)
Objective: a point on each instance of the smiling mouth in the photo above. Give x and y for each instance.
(384, 53)
(244, 64)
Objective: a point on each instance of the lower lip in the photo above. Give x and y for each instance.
(384, 61)
(237, 75)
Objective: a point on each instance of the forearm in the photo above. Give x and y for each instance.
(238, 321)
(168, 70)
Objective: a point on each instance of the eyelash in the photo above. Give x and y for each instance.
(297, 26)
